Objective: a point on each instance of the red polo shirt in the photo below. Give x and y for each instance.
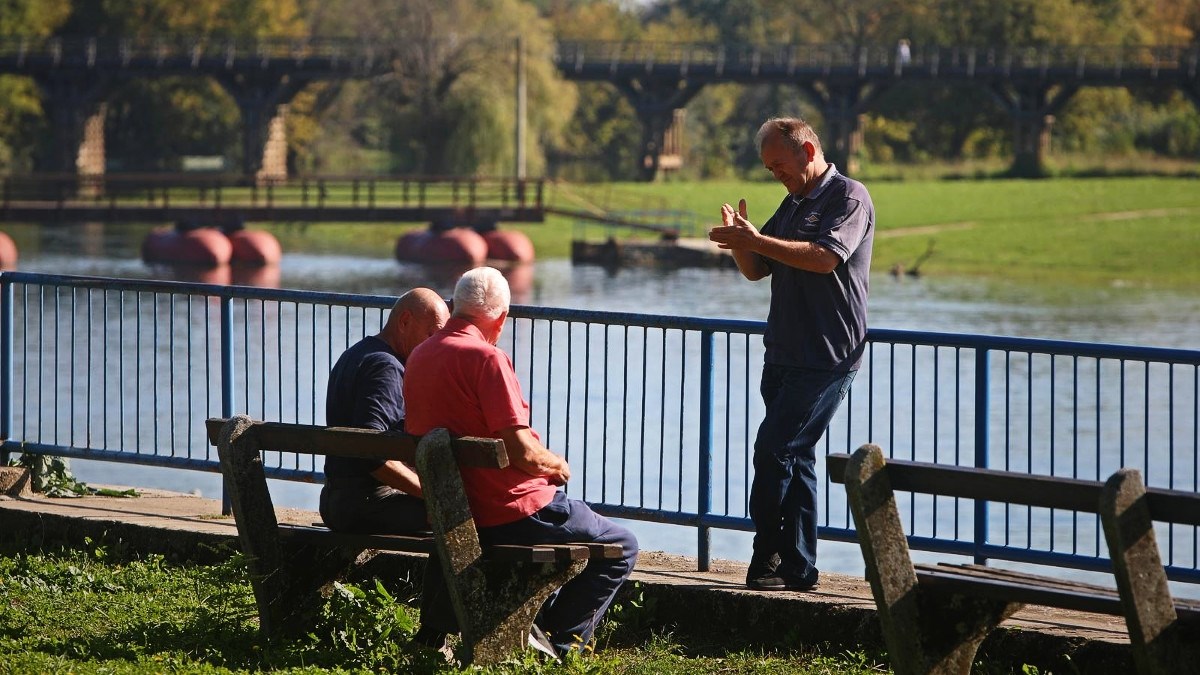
(457, 380)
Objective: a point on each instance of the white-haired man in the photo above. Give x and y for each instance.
(467, 385)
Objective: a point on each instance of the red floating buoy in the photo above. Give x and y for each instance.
(8, 252)
(409, 245)
(456, 245)
(203, 246)
(509, 245)
(255, 247)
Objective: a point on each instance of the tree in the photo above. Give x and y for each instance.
(21, 118)
(448, 106)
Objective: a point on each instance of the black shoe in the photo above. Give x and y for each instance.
(783, 580)
(761, 568)
(541, 644)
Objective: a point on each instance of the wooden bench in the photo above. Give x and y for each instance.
(489, 594)
(935, 616)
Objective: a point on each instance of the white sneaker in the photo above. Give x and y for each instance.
(540, 643)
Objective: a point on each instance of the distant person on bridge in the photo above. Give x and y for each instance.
(817, 251)
(458, 379)
(366, 391)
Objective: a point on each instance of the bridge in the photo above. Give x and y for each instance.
(1031, 83)
(479, 202)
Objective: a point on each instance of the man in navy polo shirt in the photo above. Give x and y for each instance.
(370, 496)
(817, 251)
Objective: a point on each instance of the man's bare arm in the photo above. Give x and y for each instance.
(527, 453)
(399, 475)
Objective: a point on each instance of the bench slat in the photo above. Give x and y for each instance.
(362, 443)
(1173, 506)
(1030, 589)
(425, 544)
(383, 542)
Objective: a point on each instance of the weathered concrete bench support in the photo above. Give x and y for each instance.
(287, 595)
(501, 598)
(925, 631)
(1162, 641)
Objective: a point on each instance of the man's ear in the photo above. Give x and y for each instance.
(810, 150)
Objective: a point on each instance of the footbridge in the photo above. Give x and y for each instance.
(472, 201)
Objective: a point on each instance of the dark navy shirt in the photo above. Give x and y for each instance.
(365, 391)
(818, 320)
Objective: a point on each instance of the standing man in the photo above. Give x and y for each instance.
(365, 390)
(460, 380)
(817, 251)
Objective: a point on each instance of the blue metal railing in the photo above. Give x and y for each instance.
(656, 414)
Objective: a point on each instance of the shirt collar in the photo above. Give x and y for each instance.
(460, 325)
(826, 178)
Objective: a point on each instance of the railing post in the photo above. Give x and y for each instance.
(704, 492)
(6, 368)
(982, 383)
(227, 388)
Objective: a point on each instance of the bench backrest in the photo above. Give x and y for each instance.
(309, 439)
(1172, 506)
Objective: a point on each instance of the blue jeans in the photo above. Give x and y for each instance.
(571, 615)
(783, 497)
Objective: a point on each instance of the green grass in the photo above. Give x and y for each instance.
(96, 612)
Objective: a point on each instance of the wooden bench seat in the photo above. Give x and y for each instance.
(935, 616)
(489, 594)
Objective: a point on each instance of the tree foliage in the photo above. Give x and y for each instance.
(448, 106)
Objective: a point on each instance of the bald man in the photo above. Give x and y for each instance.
(366, 391)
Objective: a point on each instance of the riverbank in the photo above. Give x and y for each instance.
(712, 608)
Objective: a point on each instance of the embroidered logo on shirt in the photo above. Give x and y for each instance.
(812, 218)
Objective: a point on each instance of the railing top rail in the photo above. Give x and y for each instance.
(610, 318)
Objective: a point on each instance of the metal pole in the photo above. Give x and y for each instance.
(520, 139)
(982, 383)
(6, 368)
(227, 389)
(704, 505)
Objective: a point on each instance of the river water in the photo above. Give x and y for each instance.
(1116, 314)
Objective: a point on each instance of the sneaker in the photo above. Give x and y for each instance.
(782, 580)
(540, 643)
(761, 568)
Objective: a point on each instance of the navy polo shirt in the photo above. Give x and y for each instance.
(365, 391)
(818, 320)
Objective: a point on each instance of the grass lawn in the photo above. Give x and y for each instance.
(94, 612)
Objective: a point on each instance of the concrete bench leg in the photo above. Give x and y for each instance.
(1158, 639)
(925, 632)
(287, 594)
(495, 602)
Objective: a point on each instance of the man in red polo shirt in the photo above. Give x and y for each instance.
(467, 385)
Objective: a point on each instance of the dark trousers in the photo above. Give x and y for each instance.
(570, 617)
(783, 497)
(371, 508)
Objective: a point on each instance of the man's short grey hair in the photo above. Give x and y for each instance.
(791, 130)
(481, 293)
